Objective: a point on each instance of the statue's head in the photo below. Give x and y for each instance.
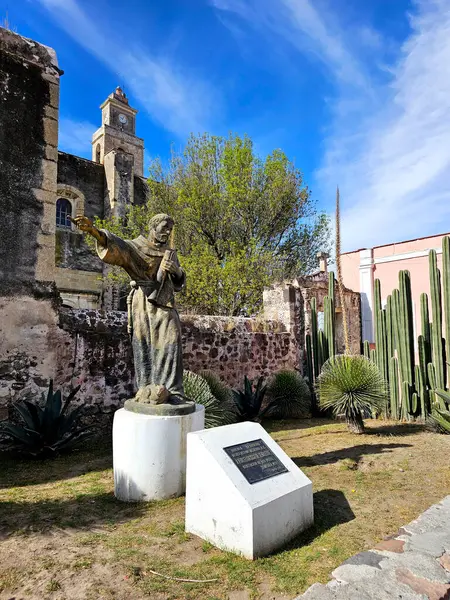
(160, 228)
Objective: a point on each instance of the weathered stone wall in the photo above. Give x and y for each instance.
(29, 99)
(30, 338)
(140, 190)
(96, 352)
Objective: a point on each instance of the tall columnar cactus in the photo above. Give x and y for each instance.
(376, 307)
(366, 347)
(421, 390)
(389, 329)
(436, 313)
(314, 337)
(405, 375)
(330, 317)
(407, 327)
(421, 375)
(309, 361)
(446, 295)
(380, 333)
(394, 388)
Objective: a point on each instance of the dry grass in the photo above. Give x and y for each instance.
(64, 536)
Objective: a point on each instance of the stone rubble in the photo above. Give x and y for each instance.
(413, 564)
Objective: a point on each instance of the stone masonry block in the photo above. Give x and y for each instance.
(51, 131)
(51, 112)
(54, 94)
(49, 174)
(51, 152)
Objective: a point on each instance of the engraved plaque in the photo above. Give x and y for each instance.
(255, 460)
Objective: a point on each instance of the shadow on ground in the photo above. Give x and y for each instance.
(19, 471)
(273, 426)
(355, 453)
(331, 508)
(83, 512)
(396, 429)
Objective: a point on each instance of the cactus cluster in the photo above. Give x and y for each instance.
(321, 345)
(416, 390)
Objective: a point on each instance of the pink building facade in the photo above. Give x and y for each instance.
(361, 267)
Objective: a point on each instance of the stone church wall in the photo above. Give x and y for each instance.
(29, 96)
(82, 182)
(29, 100)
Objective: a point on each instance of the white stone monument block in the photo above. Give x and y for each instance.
(149, 454)
(243, 493)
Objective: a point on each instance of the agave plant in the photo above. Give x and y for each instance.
(289, 394)
(218, 408)
(249, 400)
(350, 386)
(49, 428)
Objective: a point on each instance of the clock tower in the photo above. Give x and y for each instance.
(118, 132)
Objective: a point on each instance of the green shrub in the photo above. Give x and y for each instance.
(208, 390)
(289, 394)
(49, 428)
(350, 386)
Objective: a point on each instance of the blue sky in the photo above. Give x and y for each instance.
(356, 92)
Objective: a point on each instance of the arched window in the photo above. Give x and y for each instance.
(97, 153)
(63, 211)
(119, 149)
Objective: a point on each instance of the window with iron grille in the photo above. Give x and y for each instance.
(63, 211)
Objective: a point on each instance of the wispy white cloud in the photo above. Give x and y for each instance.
(75, 136)
(178, 101)
(388, 141)
(393, 164)
(305, 27)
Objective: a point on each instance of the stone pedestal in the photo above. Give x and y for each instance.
(149, 454)
(243, 493)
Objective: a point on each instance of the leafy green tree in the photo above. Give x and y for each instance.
(242, 222)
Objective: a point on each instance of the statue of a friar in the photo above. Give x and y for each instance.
(153, 321)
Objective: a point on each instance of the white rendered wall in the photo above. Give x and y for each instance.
(149, 454)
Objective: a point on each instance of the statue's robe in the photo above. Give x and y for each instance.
(152, 318)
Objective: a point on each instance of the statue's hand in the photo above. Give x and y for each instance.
(83, 223)
(170, 266)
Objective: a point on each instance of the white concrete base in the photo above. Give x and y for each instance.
(149, 454)
(223, 508)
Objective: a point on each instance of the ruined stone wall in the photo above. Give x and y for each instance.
(97, 352)
(92, 348)
(317, 287)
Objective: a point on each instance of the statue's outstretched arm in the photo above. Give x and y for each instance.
(85, 224)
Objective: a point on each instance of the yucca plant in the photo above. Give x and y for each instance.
(289, 395)
(49, 428)
(350, 386)
(223, 395)
(218, 410)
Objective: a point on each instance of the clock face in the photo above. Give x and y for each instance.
(123, 119)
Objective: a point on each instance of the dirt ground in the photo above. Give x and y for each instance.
(63, 536)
